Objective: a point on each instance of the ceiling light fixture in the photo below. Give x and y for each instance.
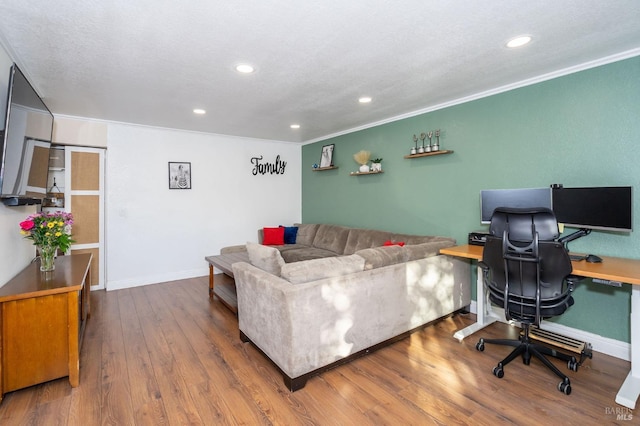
(519, 41)
(295, 126)
(245, 68)
(364, 100)
(199, 111)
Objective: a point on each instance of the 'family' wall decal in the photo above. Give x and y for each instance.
(277, 167)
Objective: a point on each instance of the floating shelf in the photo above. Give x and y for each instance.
(428, 154)
(364, 173)
(322, 169)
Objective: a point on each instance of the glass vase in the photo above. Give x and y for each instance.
(47, 258)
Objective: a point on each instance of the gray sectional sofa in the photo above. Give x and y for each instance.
(340, 292)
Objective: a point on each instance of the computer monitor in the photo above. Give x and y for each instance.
(490, 199)
(601, 208)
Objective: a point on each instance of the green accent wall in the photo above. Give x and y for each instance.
(578, 130)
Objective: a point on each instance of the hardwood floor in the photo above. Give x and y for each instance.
(166, 354)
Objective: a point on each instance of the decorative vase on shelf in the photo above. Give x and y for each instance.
(376, 167)
(47, 258)
(364, 168)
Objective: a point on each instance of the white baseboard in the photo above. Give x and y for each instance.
(605, 345)
(155, 279)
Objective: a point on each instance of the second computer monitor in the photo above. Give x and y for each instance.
(490, 199)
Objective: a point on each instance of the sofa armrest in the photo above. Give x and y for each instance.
(233, 249)
(424, 250)
(263, 311)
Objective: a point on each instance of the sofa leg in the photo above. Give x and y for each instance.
(243, 337)
(294, 384)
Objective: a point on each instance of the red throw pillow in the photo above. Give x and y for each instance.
(391, 243)
(273, 236)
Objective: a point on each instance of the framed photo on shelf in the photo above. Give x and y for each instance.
(326, 159)
(179, 175)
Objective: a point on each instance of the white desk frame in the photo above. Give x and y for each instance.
(630, 389)
(484, 314)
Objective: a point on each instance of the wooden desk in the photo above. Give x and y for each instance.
(611, 268)
(43, 317)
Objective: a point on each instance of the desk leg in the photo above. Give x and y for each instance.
(211, 271)
(630, 389)
(484, 314)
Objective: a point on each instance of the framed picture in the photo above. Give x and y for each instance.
(326, 159)
(179, 175)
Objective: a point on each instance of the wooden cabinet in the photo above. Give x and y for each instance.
(43, 318)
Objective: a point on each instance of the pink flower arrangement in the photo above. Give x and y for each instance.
(49, 229)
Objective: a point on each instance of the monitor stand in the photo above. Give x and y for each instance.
(583, 232)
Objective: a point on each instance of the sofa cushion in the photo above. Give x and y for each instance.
(306, 233)
(378, 257)
(365, 238)
(420, 239)
(290, 233)
(273, 236)
(299, 253)
(331, 237)
(317, 269)
(266, 258)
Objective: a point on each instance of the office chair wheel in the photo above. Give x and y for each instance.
(573, 365)
(480, 345)
(498, 371)
(565, 387)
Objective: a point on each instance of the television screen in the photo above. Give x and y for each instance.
(490, 199)
(26, 139)
(603, 208)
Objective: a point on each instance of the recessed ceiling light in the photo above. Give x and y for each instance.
(364, 100)
(245, 68)
(519, 41)
(295, 126)
(199, 111)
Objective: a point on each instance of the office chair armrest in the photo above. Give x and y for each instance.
(483, 266)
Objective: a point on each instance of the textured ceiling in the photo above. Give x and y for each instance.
(151, 62)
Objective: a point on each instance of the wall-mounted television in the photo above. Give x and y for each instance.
(490, 199)
(25, 143)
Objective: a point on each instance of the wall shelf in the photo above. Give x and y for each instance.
(322, 169)
(428, 154)
(365, 173)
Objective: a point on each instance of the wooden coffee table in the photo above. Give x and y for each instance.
(225, 286)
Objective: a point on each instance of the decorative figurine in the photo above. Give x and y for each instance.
(436, 147)
(414, 149)
(428, 147)
(421, 149)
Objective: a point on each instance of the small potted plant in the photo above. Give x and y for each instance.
(376, 165)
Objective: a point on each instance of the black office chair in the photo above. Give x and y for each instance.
(527, 273)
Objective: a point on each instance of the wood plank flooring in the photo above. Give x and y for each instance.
(166, 354)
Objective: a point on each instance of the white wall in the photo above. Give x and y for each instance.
(15, 251)
(155, 234)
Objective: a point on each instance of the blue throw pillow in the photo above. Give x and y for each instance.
(290, 234)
